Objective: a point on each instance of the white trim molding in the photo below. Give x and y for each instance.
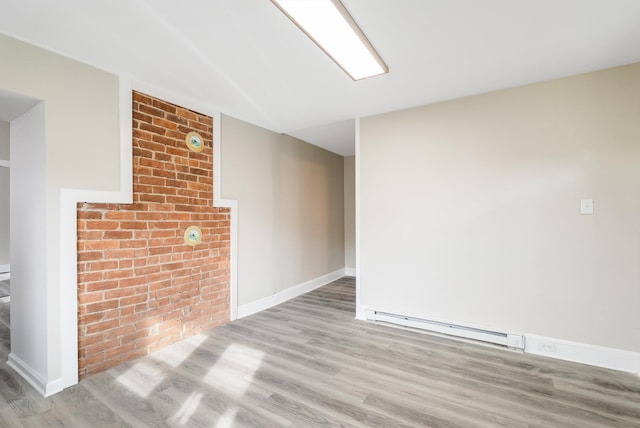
(5, 164)
(69, 198)
(5, 268)
(594, 355)
(232, 204)
(33, 377)
(350, 271)
(287, 294)
(175, 98)
(360, 315)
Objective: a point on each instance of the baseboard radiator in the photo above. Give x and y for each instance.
(507, 340)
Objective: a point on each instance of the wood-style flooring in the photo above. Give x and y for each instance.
(4, 288)
(308, 363)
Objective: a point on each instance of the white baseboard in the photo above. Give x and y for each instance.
(5, 268)
(600, 356)
(30, 375)
(350, 271)
(291, 292)
(506, 339)
(594, 355)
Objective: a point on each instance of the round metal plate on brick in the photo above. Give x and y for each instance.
(192, 236)
(194, 141)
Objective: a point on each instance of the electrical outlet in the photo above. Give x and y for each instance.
(547, 346)
(586, 206)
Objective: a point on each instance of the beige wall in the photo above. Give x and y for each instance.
(350, 212)
(470, 210)
(81, 151)
(81, 114)
(290, 206)
(4, 194)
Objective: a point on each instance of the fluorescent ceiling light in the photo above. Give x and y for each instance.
(330, 26)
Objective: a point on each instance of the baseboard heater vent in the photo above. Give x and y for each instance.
(503, 339)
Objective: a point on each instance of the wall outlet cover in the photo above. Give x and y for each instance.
(586, 206)
(547, 346)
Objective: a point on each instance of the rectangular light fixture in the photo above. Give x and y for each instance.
(330, 26)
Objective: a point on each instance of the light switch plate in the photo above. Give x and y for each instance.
(586, 206)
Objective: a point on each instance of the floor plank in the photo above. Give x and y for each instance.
(308, 363)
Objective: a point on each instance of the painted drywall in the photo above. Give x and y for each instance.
(29, 297)
(290, 208)
(470, 210)
(350, 213)
(4, 195)
(81, 151)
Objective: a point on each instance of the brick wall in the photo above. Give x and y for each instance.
(140, 287)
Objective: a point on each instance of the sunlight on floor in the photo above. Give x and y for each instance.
(142, 378)
(240, 357)
(176, 354)
(250, 360)
(137, 377)
(231, 375)
(187, 409)
(227, 419)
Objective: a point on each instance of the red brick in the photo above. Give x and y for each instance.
(163, 284)
(151, 110)
(101, 266)
(120, 235)
(133, 243)
(133, 225)
(118, 274)
(85, 256)
(100, 346)
(101, 306)
(102, 225)
(102, 285)
(89, 297)
(166, 107)
(153, 145)
(101, 326)
(90, 215)
(145, 197)
(187, 114)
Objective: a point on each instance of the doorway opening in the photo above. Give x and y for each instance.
(23, 309)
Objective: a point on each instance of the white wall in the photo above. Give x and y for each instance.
(290, 208)
(4, 195)
(350, 214)
(30, 327)
(470, 210)
(82, 151)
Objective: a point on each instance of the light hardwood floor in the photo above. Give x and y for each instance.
(308, 363)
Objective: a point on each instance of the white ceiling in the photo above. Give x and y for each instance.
(244, 58)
